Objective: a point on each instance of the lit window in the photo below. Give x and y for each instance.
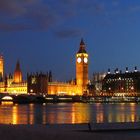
(33, 80)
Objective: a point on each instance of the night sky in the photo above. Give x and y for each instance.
(45, 34)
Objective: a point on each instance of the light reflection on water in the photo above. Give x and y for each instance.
(68, 113)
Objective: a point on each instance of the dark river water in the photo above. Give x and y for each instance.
(68, 113)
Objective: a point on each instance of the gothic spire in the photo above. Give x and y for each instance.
(82, 47)
(18, 66)
(17, 73)
(82, 42)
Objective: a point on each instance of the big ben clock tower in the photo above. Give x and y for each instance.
(82, 67)
(1, 67)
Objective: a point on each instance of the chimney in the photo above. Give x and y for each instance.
(135, 69)
(108, 72)
(126, 70)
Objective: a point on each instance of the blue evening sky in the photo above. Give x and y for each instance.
(45, 34)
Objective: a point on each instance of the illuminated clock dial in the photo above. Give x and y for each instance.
(85, 60)
(79, 60)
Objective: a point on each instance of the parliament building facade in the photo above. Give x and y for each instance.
(40, 83)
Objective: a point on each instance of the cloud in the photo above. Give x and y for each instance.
(84, 6)
(42, 14)
(68, 33)
(14, 7)
(24, 15)
(21, 15)
(115, 3)
(134, 8)
(14, 27)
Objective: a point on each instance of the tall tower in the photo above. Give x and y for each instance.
(17, 74)
(82, 67)
(1, 66)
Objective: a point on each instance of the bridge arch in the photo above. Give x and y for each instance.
(7, 98)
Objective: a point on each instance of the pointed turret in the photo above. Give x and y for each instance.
(82, 42)
(18, 66)
(50, 76)
(82, 47)
(18, 73)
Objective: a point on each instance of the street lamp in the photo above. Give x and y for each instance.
(31, 90)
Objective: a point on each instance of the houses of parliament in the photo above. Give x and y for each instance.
(40, 83)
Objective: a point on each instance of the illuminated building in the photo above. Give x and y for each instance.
(82, 67)
(1, 67)
(60, 88)
(78, 87)
(37, 83)
(122, 84)
(98, 80)
(43, 83)
(14, 84)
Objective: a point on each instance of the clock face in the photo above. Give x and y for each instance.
(79, 60)
(85, 60)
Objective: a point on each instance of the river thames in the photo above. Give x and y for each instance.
(68, 113)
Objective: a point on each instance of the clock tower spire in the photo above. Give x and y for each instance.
(82, 67)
